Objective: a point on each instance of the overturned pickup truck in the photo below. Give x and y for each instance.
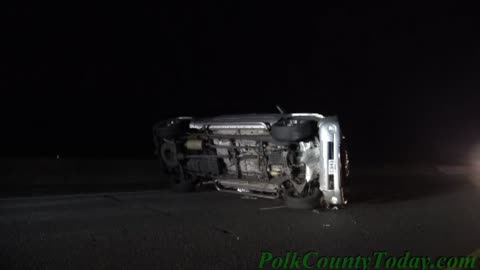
(299, 157)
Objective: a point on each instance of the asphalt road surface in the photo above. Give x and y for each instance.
(157, 229)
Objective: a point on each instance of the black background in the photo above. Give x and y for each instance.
(89, 80)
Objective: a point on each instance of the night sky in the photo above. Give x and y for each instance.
(91, 80)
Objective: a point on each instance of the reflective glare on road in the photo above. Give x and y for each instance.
(474, 165)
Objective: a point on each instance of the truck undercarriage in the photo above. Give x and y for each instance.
(297, 157)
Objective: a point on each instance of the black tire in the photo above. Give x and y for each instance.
(182, 182)
(308, 202)
(170, 128)
(168, 154)
(290, 133)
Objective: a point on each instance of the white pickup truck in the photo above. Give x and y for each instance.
(298, 157)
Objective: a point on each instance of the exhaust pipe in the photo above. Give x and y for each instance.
(257, 189)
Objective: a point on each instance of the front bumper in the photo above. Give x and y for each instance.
(331, 176)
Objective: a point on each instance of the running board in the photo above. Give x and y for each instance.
(257, 189)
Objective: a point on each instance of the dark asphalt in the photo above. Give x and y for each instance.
(426, 214)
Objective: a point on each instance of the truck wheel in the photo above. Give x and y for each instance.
(168, 154)
(305, 201)
(182, 182)
(291, 130)
(170, 128)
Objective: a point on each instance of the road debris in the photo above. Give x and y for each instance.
(272, 208)
(246, 197)
(225, 231)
